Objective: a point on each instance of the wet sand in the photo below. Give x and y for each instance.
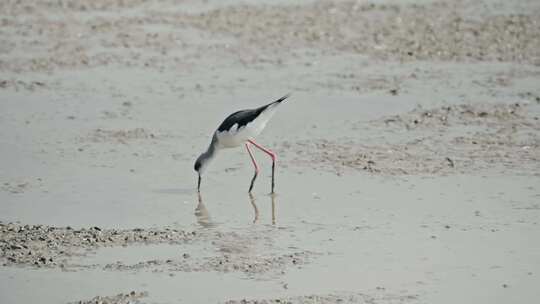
(408, 154)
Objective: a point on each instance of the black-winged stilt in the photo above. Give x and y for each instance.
(239, 128)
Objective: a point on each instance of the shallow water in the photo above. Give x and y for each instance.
(370, 202)
(410, 237)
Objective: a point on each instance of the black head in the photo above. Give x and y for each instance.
(198, 164)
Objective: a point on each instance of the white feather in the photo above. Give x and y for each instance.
(235, 136)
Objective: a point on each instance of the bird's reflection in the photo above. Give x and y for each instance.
(273, 196)
(256, 210)
(202, 215)
(204, 219)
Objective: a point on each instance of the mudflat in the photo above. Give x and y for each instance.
(408, 153)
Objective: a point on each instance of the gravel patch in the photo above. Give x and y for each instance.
(435, 31)
(44, 246)
(459, 31)
(331, 299)
(52, 247)
(123, 298)
(247, 264)
(439, 141)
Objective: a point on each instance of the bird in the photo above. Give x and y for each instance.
(240, 128)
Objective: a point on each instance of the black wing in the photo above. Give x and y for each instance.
(244, 117)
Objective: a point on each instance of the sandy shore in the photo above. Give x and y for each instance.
(408, 153)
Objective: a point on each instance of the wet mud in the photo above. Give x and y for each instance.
(454, 139)
(53, 247)
(408, 153)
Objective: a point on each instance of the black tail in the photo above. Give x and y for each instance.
(272, 103)
(282, 98)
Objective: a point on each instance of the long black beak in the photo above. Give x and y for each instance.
(199, 184)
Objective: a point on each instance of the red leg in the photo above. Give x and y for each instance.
(267, 151)
(254, 164)
(272, 155)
